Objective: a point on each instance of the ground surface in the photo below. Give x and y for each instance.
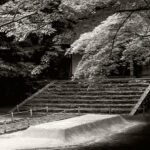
(135, 139)
(81, 130)
(21, 122)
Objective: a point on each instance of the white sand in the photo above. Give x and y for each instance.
(71, 131)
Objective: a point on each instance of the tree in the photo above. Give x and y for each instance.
(21, 19)
(35, 35)
(119, 42)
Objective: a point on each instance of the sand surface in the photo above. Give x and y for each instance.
(23, 140)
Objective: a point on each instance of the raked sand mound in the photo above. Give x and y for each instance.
(73, 131)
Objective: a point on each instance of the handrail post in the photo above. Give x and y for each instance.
(110, 110)
(79, 110)
(18, 108)
(5, 127)
(31, 112)
(47, 109)
(12, 116)
(28, 122)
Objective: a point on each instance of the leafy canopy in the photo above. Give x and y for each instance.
(113, 44)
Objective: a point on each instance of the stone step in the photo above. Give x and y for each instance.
(52, 96)
(106, 81)
(97, 89)
(103, 85)
(87, 101)
(85, 110)
(124, 79)
(100, 87)
(110, 96)
(97, 105)
(94, 92)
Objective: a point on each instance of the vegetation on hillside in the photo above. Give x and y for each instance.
(35, 35)
(118, 44)
(112, 35)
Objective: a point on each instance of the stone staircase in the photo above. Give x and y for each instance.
(116, 96)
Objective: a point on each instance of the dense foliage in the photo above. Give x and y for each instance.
(29, 26)
(117, 45)
(35, 35)
(112, 35)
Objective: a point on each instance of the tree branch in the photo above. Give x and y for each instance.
(142, 35)
(115, 36)
(17, 10)
(10, 22)
(133, 10)
(147, 3)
